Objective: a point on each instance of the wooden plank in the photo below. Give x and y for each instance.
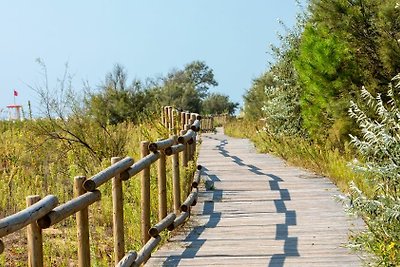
(260, 212)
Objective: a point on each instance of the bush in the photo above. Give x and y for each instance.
(380, 147)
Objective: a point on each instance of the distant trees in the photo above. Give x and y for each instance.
(218, 104)
(117, 101)
(187, 88)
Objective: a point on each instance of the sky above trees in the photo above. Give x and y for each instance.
(149, 38)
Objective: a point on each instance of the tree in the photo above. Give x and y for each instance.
(254, 99)
(372, 29)
(182, 96)
(326, 73)
(116, 102)
(65, 121)
(201, 76)
(218, 104)
(187, 88)
(274, 96)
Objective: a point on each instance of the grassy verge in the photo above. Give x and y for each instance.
(31, 164)
(324, 160)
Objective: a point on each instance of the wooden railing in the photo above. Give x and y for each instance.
(43, 213)
(209, 122)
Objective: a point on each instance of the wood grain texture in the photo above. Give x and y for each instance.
(260, 212)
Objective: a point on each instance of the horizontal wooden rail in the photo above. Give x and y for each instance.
(105, 175)
(145, 252)
(67, 209)
(187, 138)
(162, 144)
(163, 224)
(195, 126)
(140, 165)
(190, 200)
(197, 176)
(27, 216)
(174, 149)
(179, 220)
(128, 260)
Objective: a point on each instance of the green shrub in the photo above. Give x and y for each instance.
(380, 147)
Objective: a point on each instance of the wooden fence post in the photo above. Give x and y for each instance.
(187, 121)
(183, 121)
(162, 186)
(35, 239)
(162, 116)
(166, 116)
(171, 119)
(82, 223)
(118, 215)
(176, 188)
(188, 148)
(177, 122)
(193, 145)
(145, 195)
(184, 152)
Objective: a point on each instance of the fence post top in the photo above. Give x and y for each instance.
(115, 159)
(33, 197)
(144, 143)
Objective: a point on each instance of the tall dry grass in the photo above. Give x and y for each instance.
(32, 163)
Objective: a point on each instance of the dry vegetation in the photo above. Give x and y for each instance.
(35, 160)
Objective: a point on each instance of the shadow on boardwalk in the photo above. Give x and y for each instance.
(193, 236)
(282, 230)
(282, 233)
(261, 213)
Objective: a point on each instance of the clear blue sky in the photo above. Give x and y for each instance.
(149, 38)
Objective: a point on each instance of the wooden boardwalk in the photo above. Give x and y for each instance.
(260, 212)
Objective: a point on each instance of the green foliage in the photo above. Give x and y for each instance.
(182, 96)
(380, 148)
(281, 105)
(325, 69)
(254, 100)
(200, 76)
(371, 28)
(187, 88)
(274, 96)
(218, 104)
(116, 102)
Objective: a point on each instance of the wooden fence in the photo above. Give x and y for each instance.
(174, 119)
(43, 213)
